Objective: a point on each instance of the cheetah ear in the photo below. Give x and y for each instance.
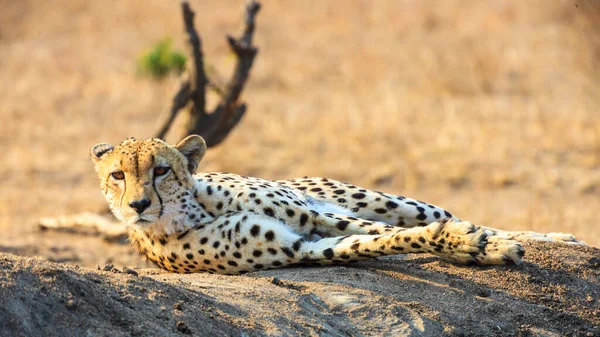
(99, 150)
(193, 148)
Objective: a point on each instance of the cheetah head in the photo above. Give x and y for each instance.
(146, 182)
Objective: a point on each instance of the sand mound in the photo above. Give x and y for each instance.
(555, 291)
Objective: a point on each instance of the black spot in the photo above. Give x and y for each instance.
(415, 245)
(255, 230)
(391, 205)
(220, 267)
(328, 253)
(355, 246)
(182, 235)
(361, 204)
(268, 211)
(358, 195)
(297, 245)
(345, 256)
(257, 253)
(287, 252)
(203, 241)
(290, 212)
(339, 191)
(186, 246)
(237, 255)
(232, 263)
(422, 239)
(209, 190)
(162, 241)
(446, 213)
(411, 203)
(258, 266)
(342, 225)
(316, 189)
(219, 205)
(422, 216)
(276, 263)
(303, 219)
(380, 210)
(272, 251)
(216, 244)
(373, 232)
(270, 236)
(437, 214)
(190, 256)
(201, 251)
(406, 239)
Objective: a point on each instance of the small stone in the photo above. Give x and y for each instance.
(130, 271)
(276, 281)
(178, 306)
(589, 299)
(71, 305)
(484, 292)
(115, 270)
(108, 267)
(183, 328)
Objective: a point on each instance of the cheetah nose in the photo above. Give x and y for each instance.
(140, 205)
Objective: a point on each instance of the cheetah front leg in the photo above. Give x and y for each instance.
(458, 241)
(241, 242)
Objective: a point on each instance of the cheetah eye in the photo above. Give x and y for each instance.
(160, 171)
(119, 175)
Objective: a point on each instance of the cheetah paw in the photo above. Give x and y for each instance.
(467, 244)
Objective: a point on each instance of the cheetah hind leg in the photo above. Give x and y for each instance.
(457, 241)
(523, 236)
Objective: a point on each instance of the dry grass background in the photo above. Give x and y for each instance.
(489, 109)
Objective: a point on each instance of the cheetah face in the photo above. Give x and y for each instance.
(146, 181)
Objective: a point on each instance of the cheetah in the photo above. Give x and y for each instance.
(230, 224)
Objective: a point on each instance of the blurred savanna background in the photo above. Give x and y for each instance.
(487, 108)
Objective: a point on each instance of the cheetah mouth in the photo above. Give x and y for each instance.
(140, 221)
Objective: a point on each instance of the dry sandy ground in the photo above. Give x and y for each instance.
(487, 108)
(416, 296)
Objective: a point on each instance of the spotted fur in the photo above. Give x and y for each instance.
(230, 224)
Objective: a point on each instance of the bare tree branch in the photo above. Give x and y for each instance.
(215, 126)
(179, 102)
(198, 93)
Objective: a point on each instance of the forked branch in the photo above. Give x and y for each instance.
(214, 126)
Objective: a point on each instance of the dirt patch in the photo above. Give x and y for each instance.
(555, 292)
